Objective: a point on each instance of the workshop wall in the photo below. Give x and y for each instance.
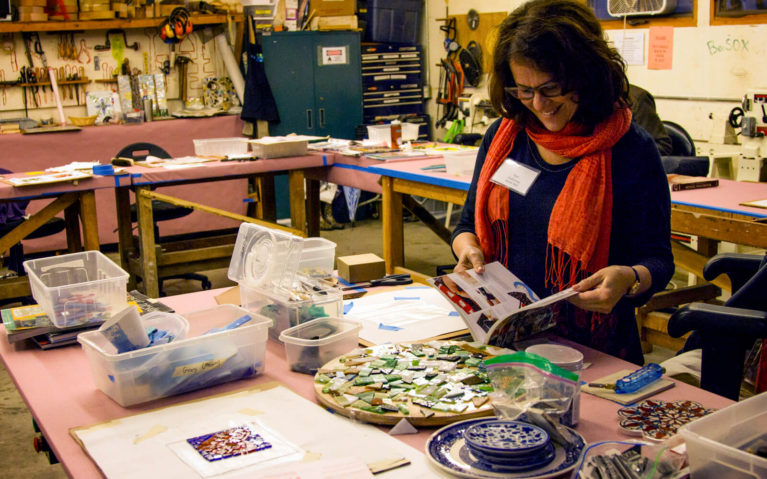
(98, 66)
(712, 67)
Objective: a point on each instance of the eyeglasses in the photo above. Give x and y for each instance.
(548, 90)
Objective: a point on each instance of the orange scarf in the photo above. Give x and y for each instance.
(582, 215)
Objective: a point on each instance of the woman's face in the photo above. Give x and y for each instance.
(554, 112)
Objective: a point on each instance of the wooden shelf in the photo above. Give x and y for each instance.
(125, 23)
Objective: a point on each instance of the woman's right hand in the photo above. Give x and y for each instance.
(469, 253)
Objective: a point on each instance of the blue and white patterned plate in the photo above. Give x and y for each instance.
(447, 451)
(506, 437)
(512, 463)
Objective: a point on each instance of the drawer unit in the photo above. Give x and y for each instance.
(392, 79)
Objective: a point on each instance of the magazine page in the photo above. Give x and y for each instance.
(492, 304)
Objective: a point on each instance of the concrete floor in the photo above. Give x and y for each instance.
(423, 253)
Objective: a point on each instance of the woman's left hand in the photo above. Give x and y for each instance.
(601, 291)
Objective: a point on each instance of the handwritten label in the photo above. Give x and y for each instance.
(197, 368)
(729, 45)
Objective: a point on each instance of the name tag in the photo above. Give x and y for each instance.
(515, 176)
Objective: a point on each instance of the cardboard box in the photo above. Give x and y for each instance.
(330, 8)
(338, 22)
(361, 267)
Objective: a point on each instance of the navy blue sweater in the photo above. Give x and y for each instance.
(640, 228)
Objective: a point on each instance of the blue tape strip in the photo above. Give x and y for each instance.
(348, 306)
(407, 298)
(388, 327)
(324, 160)
(248, 200)
(427, 179)
(453, 313)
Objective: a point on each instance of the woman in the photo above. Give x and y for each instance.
(579, 195)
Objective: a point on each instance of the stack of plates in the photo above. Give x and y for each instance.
(491, 448)
(509, 446)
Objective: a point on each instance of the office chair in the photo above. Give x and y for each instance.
(682, 159)
(10, 217)
(161, 210)
(725, 333)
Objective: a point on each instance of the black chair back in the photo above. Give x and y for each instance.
(681, 141)
(139, 151)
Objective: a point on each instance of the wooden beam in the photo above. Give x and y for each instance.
(148, 271)
(216, 211)
(297, 198)
(89, 219)
(693, 262)
(734, 230)
(433, 192)
(391, 222)
(36, 220)
(427, 218)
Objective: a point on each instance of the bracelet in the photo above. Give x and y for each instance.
(634, 289)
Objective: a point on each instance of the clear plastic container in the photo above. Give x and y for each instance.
(716, 444)
(310, 345)
(317, 257)
(212, 356)
(460, 163)
(410, 131)
(305, 300)
(77, 288)
(236, 146)
(264, 257)
(380, 134)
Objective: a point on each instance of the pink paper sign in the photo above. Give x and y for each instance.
(661, 48)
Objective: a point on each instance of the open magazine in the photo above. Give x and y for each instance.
(498, 307)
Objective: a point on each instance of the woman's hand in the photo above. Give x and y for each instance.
(470, 256)
(601, 291)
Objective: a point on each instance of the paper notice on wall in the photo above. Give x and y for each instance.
(661, 48)
(631, 46)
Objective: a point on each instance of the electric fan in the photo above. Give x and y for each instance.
(622, 8)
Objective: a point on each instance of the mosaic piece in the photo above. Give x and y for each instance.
(658, 420)
(232, 442)
(506, 437)
(431, 383)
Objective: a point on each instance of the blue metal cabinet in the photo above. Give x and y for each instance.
(316, 81)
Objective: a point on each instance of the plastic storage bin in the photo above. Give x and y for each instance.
(77, 288)
(317, 257)
(265, 263)
(221, 147)
(394, 21)
(716, 443)
(307, 299)
(213, 356)
(460, 163)
(310, 345)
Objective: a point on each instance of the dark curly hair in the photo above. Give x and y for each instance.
(565, 39)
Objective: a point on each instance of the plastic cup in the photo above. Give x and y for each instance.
(566, 358)
(126, 331)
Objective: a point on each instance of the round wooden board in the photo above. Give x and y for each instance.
(417, 417)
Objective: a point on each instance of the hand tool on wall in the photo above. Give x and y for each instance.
(182, 63)
(29, 74)
(108, 45)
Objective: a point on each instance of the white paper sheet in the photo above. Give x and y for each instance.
(410, 314)
(138, 446)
